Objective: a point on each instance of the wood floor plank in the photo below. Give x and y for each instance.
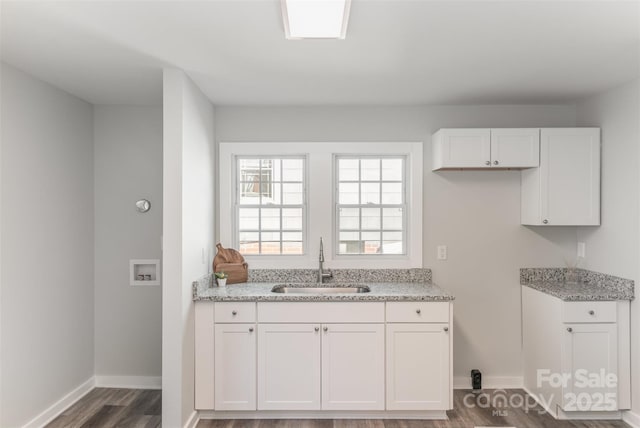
(127, 408)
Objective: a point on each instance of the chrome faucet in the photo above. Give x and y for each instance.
(321, 273)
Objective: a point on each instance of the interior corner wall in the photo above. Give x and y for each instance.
(475, 213)
(188, 209)
(614, 247)
(47, 347)
(128, 319)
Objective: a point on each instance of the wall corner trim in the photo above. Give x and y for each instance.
(193, 420)
(631, 418)
(61, 405)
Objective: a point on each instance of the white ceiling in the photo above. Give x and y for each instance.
(397, 52)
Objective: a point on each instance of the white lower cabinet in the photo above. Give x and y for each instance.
(353, 367)
(418, 366)
(590, 354)
(289, 367)
(576, 354)
(235, 367)
(329, 356)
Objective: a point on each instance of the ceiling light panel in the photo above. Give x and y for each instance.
(315, 19)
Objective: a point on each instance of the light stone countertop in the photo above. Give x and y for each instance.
(590, 286)
(578, 291)
(261, 292)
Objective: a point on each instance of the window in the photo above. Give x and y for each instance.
(370, 205)
(277, 199)
(270, 205)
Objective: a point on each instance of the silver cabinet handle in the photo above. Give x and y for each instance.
(234, 313)
(569, 329)
(325, 328)
(446, 329)
(418, 311)
(487, 163)
(545, 221)
(317, 329)
(592, 312)
(250, 329)
(496, 162)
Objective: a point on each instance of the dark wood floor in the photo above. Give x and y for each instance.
(135, 408)
(113, 407)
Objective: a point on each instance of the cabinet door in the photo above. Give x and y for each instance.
(418, 367)
(353, 367)
(235, 367)
(515, 148)
(570, 176)
(289, 367)
(589, 356)
(462, 148)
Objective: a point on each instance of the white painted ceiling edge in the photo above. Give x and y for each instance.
(396, 52)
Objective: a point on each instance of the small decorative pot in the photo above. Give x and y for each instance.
(222, 282)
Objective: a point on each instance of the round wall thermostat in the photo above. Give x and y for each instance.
(143, 205)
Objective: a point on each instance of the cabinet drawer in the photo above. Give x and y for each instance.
(232, 312)
(588, 312)
(321, 312)
(418, 312)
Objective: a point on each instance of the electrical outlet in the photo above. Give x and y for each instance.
(442, 252)
(582, 249)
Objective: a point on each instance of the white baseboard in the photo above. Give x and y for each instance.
(130, 382)
(192, 421)
(631, 418)
(61, 405)
(326, 414)
(490, 382)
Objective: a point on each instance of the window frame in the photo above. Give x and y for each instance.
(236, 182)
(319, 186)
(405, 205)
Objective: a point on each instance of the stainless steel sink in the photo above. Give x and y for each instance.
(328, 289)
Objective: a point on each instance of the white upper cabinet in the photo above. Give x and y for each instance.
(565, 189)
(515, 147)
(462, 148)
(486, 148)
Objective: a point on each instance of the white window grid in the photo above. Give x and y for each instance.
(238, 206)
(380, 206)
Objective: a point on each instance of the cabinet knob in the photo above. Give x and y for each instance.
(325, 328)
(569, 329)
(545, 221)
(250, 329)
(317, 329)
(496, 162)
(446, 329)
(234, 313)
(418, 311)
(487, 163)
(592, 312)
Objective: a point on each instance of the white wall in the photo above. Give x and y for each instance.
(188, 192)
(613, 248)
(47, 245)
(128, 167)
(477, 214)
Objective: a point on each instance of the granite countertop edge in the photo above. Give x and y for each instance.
(578, 292)
(380, 292)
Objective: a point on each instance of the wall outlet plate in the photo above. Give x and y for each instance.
(442, 252)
